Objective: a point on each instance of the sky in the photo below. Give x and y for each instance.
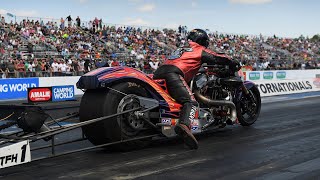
(284, 18)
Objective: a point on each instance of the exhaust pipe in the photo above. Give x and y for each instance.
(211, 102)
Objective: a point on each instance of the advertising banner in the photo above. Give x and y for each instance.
(61, 81)
(254, 76)
(39, 94)
(47, 94)
(268, 75)
(281, 75)
(280, 87)
(63, 93)
(16, 88)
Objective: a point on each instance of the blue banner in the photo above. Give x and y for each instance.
(63, 93)
(16, 88)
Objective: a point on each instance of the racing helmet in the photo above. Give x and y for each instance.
(199, 36)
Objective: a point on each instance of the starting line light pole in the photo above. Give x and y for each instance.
(11, 15)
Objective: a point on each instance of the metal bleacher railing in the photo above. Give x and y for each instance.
(18, 19)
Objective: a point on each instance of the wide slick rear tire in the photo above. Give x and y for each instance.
(108, 102)
(91, 107)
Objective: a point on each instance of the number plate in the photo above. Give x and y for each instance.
(15, 154)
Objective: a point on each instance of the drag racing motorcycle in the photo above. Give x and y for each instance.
(139, 106)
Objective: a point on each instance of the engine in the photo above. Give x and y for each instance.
(216, 90)
(210, 87)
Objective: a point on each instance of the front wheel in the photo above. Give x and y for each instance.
(248, 108)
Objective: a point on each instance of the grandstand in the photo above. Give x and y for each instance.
(50, 47)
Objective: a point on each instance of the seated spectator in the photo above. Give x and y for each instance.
(130, 46)
(115, 63)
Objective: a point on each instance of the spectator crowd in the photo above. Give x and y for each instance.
(34, 48)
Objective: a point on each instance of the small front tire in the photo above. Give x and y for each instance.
(248, 110)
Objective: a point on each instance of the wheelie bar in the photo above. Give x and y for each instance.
(81, 124)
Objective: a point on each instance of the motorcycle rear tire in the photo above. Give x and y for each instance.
(98, 103)
(91, 108)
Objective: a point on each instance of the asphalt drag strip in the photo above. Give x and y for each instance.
(282, 144)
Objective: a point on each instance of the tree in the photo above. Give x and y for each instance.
(315, 38)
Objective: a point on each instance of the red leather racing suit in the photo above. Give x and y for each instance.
(189, 60)
(179, 68)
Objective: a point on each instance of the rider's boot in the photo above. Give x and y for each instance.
(185, 133)
(188, 114)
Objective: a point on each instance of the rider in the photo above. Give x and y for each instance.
(179, 69)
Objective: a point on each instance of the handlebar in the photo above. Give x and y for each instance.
(224, 69)
(234, 81)
(216, 66)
